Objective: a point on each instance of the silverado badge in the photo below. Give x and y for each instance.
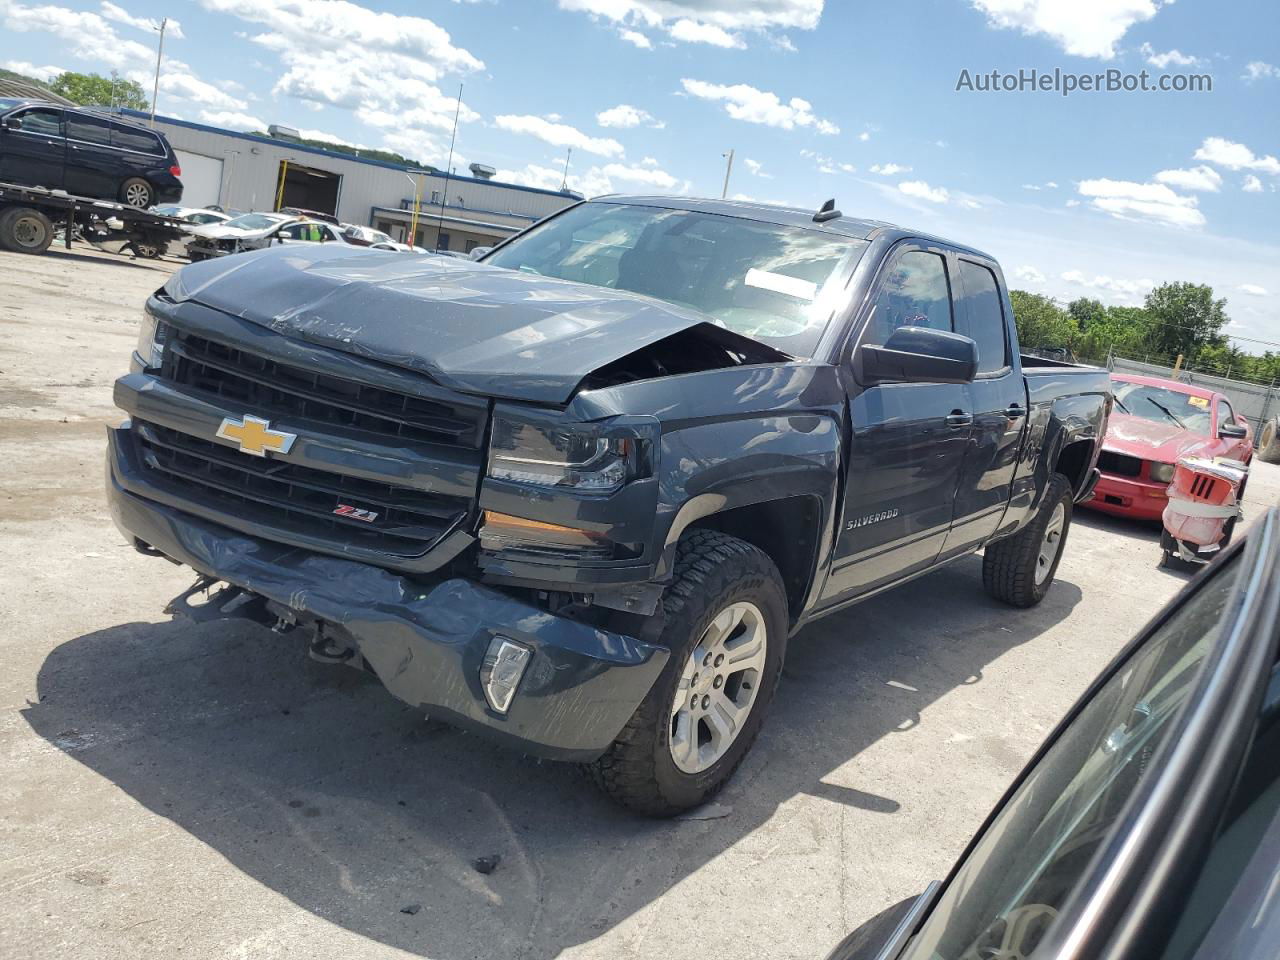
(255, 436)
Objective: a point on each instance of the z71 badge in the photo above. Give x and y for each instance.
(871, 518)
(356, 513)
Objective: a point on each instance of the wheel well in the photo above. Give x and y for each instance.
(1073, 462)
(786, 530)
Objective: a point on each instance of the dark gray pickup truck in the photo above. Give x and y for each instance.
(579, 495)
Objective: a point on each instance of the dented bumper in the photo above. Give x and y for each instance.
(426, 641)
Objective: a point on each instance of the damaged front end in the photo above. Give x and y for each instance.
(467, 653)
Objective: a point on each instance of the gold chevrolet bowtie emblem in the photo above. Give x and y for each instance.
(255, 436)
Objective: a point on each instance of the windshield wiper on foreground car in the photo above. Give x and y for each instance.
(1166, 411)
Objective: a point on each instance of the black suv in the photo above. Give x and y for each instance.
(86, 153)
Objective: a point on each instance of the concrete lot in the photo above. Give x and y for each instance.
(208, 792)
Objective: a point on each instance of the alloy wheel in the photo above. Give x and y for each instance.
(718, 687)
(1051, 543)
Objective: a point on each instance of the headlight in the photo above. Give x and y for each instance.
(151, 340)
(1162, 472)
(581, 457)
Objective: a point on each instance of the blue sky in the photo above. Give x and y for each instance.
(1096, 194)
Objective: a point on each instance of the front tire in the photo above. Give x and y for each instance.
(1020, 569)
(25, 230)
(726, 626)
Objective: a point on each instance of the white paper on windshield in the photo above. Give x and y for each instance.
(781, 283)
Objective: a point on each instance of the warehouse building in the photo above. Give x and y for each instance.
(248, 171)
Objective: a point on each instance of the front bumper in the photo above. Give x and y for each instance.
(1124, 497)
(425, 639)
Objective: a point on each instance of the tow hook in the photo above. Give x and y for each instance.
(328, 650)
(229, 601)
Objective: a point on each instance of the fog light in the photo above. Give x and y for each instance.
(504, 664)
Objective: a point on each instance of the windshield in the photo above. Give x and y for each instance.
(1007, 893)
(762, 280)
(254, 221)
(1165, 405)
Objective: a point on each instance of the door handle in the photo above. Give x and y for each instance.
(1014, 411)
(958, 418)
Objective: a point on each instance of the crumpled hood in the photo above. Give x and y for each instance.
(216, 231)
(1150, 439)
(471, 327)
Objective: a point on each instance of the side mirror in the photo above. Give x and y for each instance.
(13, 123)
(478, 252)
(1233, 431)
(917, 355)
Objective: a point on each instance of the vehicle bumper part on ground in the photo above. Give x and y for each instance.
(426, 639)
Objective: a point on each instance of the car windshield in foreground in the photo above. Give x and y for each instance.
(762, 280)
(1008, 891)
(1164, 405)
(254, 221)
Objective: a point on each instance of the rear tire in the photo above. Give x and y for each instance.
(1268, 446)
(136, 192)
(716, 576)
(25, 230)
(1020, 569)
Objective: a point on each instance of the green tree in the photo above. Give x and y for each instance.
(1185, 318)
(1086, 312)
(1041, 322)
(93, 89)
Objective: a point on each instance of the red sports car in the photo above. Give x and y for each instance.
(1155, 422)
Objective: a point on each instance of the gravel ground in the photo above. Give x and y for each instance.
(207, 791)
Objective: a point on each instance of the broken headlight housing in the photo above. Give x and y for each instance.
(583, 457)
(151, 341)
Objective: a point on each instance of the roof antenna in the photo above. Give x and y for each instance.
(828, 212)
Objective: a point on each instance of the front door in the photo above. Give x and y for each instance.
(33, 151)
(908, 442)
(999, 410)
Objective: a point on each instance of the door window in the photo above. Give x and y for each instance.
(42, 122)
(1008, 892)
(914, 294)
(983, 316)
(88, 129)
(131, 138)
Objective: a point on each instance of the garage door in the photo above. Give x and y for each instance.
(201, 179)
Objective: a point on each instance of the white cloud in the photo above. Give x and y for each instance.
(827, 164)
(1260, 70)
(1252, 184)
(691, 31)
(922, 191)
(1085, 29)
(232, 120)
(1028, 274)
(1149, 201)
(1196, 178)
(46, 73)
(558, 134)
(889, 169)
(172, 28)
(1051, 185)
(1235, 156)
(744, 102)
(328, 138)
(1162, 61)
(424, 146)
(593, 183)
(864, 136)
(646, 176)
(756, 168)
(86, 36)
(636, 38)
(382, 65)
(187, 86)
(719, 22)
(625, 116)
(1124, 289)
(1253, 290)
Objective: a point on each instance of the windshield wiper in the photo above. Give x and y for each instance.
(1120, 404)
(1167, 412)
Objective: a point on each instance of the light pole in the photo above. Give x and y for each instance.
(727, 170)
(155, 87)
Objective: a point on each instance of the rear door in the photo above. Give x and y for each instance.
(94, 167)
(908, 439)
(999, 396)
(33, 152)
